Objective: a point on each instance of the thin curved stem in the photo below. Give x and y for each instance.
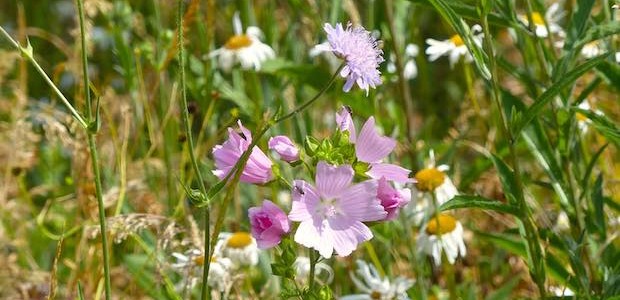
(309, 102)
(27, 53)
(190, 143)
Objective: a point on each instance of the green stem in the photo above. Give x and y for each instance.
(532, 239)
(374, 258)
(309, 102)
(92, 145)
(98, 191)
(313, 259)
(190, 142)
(27, 53)
(403, 85)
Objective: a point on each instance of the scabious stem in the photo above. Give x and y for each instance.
(190, 142)
(531, 234)
(92, 145)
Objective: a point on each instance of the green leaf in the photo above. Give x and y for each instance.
(510, 243)
(565, 81)
(459, 25)
(505, 291)
(610, 71)
(606, 127)
(471, 13)
(508, 180)
(598, 32)
(466, 201)
(80, 291)
(597, 202)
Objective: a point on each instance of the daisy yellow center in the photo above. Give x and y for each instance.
(441, 225)
(375, 295)
(429, 179)
(538, 19)
(457, 40)
(239, 240)
(237, 42)
(199, 260)
(581, 117)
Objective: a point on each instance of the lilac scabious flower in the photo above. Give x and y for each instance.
(269, 224)
(331, 214)
(392, 199)
(258, 167)
(284, 147)
(372, 148)
(360, 52)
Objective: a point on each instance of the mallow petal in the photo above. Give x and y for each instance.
(371, 147)
(331, 180)
(390, 172)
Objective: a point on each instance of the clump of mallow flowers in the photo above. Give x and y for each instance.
(345, 183)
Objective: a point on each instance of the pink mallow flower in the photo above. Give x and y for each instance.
(331, 214)
(372, 148)
(284, 147)
(392, 199)
(269, 224)
(258, 167)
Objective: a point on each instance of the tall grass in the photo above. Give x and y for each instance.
(110, 110)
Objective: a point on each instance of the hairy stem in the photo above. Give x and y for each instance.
(531, 234)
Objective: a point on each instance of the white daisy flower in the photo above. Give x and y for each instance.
(592, 49)
(190, 266)
(442, 233)
(552, 17)
(561, 291)
(374, 287)
(432, 179)
(454, 47)
(410, 70)
(323, 273)
(617, 55)
(245, 48)
(240, 247)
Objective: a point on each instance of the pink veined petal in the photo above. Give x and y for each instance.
(360, 202)
(390, 172)
(277, 214)
(347, 234)
(370, 147)
(305, 199)
(331, 181)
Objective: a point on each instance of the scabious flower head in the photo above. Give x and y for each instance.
(240, 247)
(442, 233)
(372, 148)
(284, 147)
(269, 224)
(258, 167)
(370, 283)
(360, 52)
(245, 48)
(331, 214)
(392, 199)
(454, 47)
(551, 17)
